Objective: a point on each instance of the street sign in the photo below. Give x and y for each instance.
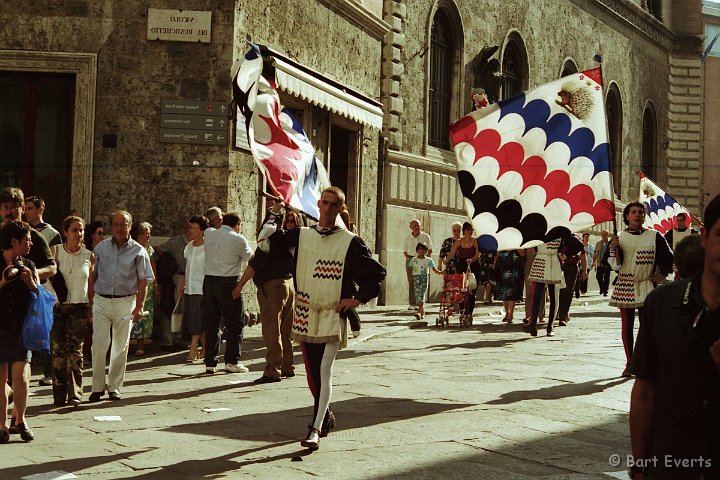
(195, 122)
(193, 107)
(191, 121)
(206, 137)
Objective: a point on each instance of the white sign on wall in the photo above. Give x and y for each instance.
(179, 25)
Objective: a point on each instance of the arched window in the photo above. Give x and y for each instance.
(613, 107)
(442, 53)
(514, 67)
(649, 142)
(568, 68)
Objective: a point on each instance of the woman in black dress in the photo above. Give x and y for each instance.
(18, 279)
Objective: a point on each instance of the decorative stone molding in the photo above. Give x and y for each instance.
(422, 183)
(359, 15)
(394, 12)
(636, 18)
(84, 66)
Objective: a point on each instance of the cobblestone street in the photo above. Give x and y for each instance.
(411, 401)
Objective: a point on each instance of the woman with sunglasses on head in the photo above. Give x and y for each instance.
(71, 314)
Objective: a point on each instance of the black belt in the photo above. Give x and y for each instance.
(116, 296)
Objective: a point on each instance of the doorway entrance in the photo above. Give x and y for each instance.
(36, 133)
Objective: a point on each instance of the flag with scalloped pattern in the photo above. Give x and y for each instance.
(536, 167)
(662, 209)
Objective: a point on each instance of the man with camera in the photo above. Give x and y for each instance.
(675, 403)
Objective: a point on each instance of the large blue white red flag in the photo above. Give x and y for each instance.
(535, 167)
(277, 141)
(662, 209)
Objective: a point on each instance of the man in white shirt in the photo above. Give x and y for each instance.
(225, 251)
(416, 236)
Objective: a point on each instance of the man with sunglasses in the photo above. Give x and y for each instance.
(675, 403)
(272, 275)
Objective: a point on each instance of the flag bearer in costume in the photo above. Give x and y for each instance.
(546, 269)
(642, 258)
(330, 262)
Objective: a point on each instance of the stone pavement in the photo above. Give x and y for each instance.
(412, 401)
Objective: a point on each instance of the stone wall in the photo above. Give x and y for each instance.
(635, 47)
(155, 181)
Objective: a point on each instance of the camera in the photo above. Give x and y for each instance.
(14, 271)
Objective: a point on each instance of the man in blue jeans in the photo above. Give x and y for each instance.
(225, 251)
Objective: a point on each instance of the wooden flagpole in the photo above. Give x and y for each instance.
(598, 58)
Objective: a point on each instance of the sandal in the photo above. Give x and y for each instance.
(139, 353)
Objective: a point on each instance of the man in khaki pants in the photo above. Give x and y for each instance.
(273, 276)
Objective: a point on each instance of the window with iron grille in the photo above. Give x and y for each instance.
(649, 141)
(441, 68)
(514, 70)
(655, 8)
(613, 108)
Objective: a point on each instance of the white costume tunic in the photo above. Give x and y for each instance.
(633, 281)
(318, 275)
(546, 266)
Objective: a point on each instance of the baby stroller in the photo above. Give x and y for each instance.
(454, 298)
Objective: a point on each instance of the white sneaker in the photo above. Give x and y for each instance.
(236, 368)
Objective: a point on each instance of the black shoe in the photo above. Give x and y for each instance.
(4, 436)
(95, 397)
(59, 403)
(327, 425)
(288, 374)
(265, 379)
(25, 433)
(115, 396)
(533, 332)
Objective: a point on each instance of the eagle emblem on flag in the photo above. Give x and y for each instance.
(536, 167)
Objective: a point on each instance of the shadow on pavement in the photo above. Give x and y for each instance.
(70, 465)
(558, 391)
(353, 413)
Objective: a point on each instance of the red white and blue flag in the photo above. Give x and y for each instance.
(277, 141)
(536, 167)
(662, 209)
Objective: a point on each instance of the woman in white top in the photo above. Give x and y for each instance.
(71, 315)
(192, 288)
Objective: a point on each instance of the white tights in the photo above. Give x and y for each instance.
(326, 371)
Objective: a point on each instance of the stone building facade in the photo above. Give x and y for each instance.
(407, 67)
(116, 79)
(652, 83)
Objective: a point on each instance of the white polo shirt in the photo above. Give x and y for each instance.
(411, 243)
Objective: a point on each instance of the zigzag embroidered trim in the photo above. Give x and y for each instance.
(302, 312)
(328, 269)
(645, 257)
